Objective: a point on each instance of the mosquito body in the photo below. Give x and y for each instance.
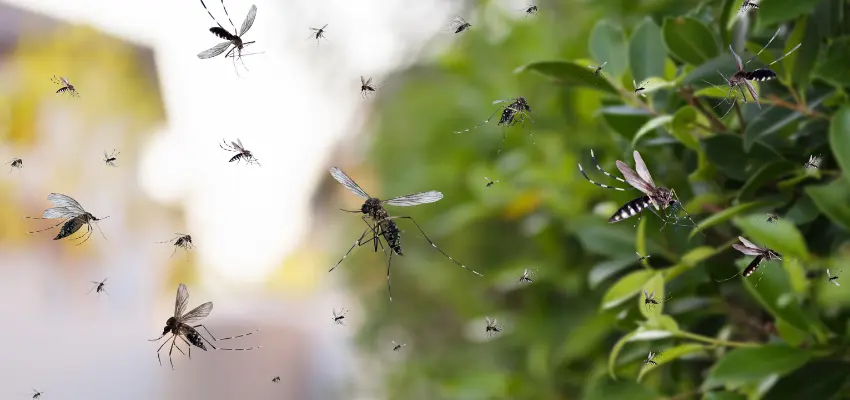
(384, 225)
(36, 394)
(232, 39)
(241, 152)
(111, 158)
(318, 33)
(526, 276)
(530, 10)
(459, 25)
(832, 279)
(492, 328)
(338, 317)
(641, 258)
(649, 359)
(516, 112)
(397, 347)
(762, 254)
(772, 218)
(639, 89)
(276, 379)
(489, 182)
(99, 287)
(180, 326)
(15, 163)
(650, 301)
(72, 214)
(366, 87)
(597, 70)
(183, 241)
(814, 162)
(66, 86)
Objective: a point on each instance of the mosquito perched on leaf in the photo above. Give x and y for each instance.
(516, 112)
(232, 39)
(241, 152)
(99, 287)
(73, 216)
(318, 33)
(762, 254)
(459, 25)
(650, 301)
(111, 158)
(492, 328)
(183, 241)
(66, 86)
(179, 326)
(339, 316)
(15, 163)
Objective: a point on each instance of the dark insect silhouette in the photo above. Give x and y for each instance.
(397, 347)
(99, 287)
(276, 379)
(179, 326)
(750, 249)
(492, 328)
(489, 182)
(183, 241)
(384, 225)
(73, 216)
(232, 39)
(338, 317)
(36, 394)
(110, 159)
(772, 218)
(748, 5)
(641, 258)
(66, 86)
(649, 359)
(530, 10)
(516, 112)
(241, 152)
(15, 163)
(814, 162)
(597, 70)
(832, 279)
(318, 33)
(459, 25)
(639, 89)
(366, 87)
(650, 301)
(526, 276)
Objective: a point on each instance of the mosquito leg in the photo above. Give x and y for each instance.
(42, 230)
(228, 15)
(356, 243)
(231, 337)
(159, 351)
(211, 16)
(504, 138)
(389, 287)
(224, 338)
(173, 252)
(432, 243)
(485, 121)
(188, 345)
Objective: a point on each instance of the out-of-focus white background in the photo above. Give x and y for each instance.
(260, 253)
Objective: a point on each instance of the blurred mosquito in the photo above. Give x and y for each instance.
(489, 182)
(15, 163)
(241, 152)
(814, 162)
(338, 317)
(772, 218)
(318, 33)
(492, 328)
(597, 70)
(110, 159)
(384, 225)
(832, 279)
(66, 86)
(366, 87)
(649, 359)
(397, 347)
(276, 379)
(73, 215)
(526, 276)
(650, 301)
(183, 241)
(748, 5)
(459, 25)
(641, 258)
(98, 287)
(530, 10)
(516, 112)
(36, 394)
(232, 39)
(750, 249)
(640, 89)
(180, 327)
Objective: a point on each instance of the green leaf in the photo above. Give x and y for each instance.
(683, 125)
(727, 214)
(728, 155)
(724, 396)
(608, 43)
(767, 173)
(768, 121)
(625, 288)
(571, 74)
(821, 379)
(772, 288)
(839, 139)
(606, 269)
(653, 285)
(639, 334)
(647, 53)
(625, 120)
(802, 62)
(751, 365)
(689, 40)
(781, 236)
(650, 126)
(831, 199)
(671, 354)
(835, 68)
(604, 389)
(772, 12)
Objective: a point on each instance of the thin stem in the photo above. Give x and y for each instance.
(775, 100)
(694, 101)
(716, 342)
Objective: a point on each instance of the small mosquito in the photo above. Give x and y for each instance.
(36, 394)
(832, 279)
(516, 112)
(179, 327)
(489, 182)
(397, 347)
(183, 241)
(526, 276)
(66, 86)
(73, 215)
(338, 317)
(99, 287)
(459, 25)
(650, 301)
(276, 379)
(814, 162)
(318, 33)
(598, 69)
(492, 328)
(641, 258)
(15, 163)
(772, 218)
(639, 89)
(366, 87)
(748, 5)
(750, 249)
(241, 152)
(384, 225)
(232, 39)
(110, 159)
(649, 359)
(530, 10)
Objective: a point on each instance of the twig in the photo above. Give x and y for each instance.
(775, 100)
(716, 124)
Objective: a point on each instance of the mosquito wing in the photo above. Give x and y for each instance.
(633, 179)
(368, 81)
(65, 81)
(737, 59)
(200, 312)
(61, 200)
(323, 28)
(489, 323)
(642, 170)
(363, 81)
(504, 101)
(61, 212)
(746, 250)
(239, 145)
(748, 243)
(828, 275)
(415, 199)
(603, 64)
(181, 300)
(214, 51)
(646, 294)
(249, 20)
(349, 183)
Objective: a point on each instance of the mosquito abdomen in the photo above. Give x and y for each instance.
(69, 228)
(630, 209)
(195, 338)
(760, 75)
(222, 33)
(393, 237)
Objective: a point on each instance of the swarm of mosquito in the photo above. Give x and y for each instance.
(183, 241)
(397, 347)
(99, 287)
(66, 86)
(515, 112)
(832, 279)
(180, 326)
(110, 158)
(241, 152)
(340, 316)
(459, 25)
(232, 39)
(492, 327)
(318, 33)
(15, 163)
(73, 217)
(650, 301)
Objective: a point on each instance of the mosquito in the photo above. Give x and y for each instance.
(111, 158)
(772, 218)
(66, 86)
(641, 258)
(384, 225)
(36, 394)
(397, 347)
(832, 279)
(650, 301)
(183, 241)
(762, 254)
(241, 152)
(276, 379)
(318, 33)
(489, 182)
(516, 112)
(232, 39)
(73, 216)
(338, 317)
(639, 89)
(180, 327)
(748, 5)
(15, 163)
(526, 276)
(459, 25)
(366, 87)
(659, 198)
(814, 162)
(98, 287)
(597, 70)
(530, 10)
(649, 359)
(492, 328)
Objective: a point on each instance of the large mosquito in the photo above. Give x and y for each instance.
(36, 394)
(232, 39)
(397, 347)
(384, 225)
(516, 112)
(459, 25)
(66, 86)
(183, 241)
(99, 287)
(492, 328)
(15, 163)
(339, 316)
(241, 152)
(180, 327)
(650, 301)
(597, 70)
(73, 216)
(750, 249)
(832, 279)
(318, 33)
(526, 276)
(660, 198)
(110, 158)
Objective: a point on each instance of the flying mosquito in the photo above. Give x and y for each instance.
(232, 39)
(639, 89)
(650, 301)
(530, 10)
(384, 225)
(183, 241)
(762, 254)
(98, 287)
(641, 258)
(66, 86)
(516, 112)
(338, 317)
(660, 198)
(241, 152)
(492, 328)
(748, 5)
(366, 87)
(814, 162)
(489, 182)
(36, 394)
(598, 69)
(180, 327)
(526, 276)
(276, 379)
(15, 163)
(397, 347)
(649, 359)
(72, 214)
(772, 218)
(832, 279)
(459, 25)
(318, 33)
(111, 158)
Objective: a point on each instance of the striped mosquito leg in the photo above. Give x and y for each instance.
(42, 230)
(211, 16)
(434, 245)
(389, 288)
(485, 121)
(358, 242)
(593, 157)
(226, 338)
